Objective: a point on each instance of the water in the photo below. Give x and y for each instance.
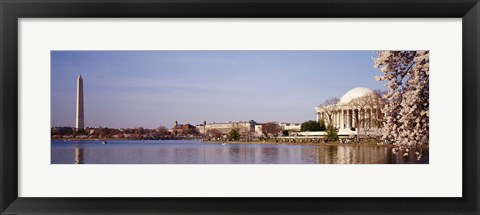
(197, 152)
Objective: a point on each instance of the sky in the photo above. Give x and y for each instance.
(127, 89)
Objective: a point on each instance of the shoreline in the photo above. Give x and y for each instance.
(336, 143)
(231, 142)
(104, 139)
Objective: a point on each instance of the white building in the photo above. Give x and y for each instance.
(258, 130)
(225, 127)
(201, 128)
(291, 126)
(358, 109)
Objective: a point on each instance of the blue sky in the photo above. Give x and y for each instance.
(126, 89)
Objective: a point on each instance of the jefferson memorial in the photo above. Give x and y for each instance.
(358, 109)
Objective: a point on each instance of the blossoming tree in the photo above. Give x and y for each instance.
(406, 111)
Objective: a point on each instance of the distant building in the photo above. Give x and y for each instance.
(291, 126)
(201, 128)
(225, 127)
(183, 129)
(258, 130)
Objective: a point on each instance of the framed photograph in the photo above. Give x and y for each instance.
(255, 107)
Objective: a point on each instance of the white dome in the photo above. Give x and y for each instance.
(354, 93)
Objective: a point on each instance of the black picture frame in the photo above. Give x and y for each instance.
(12, 10)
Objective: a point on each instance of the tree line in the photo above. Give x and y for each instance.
(111, 133)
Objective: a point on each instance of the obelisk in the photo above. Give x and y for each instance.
(79, 123)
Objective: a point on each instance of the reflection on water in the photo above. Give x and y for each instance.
(196, 152)
(78, 155)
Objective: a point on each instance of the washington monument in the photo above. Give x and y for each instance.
(79, 122)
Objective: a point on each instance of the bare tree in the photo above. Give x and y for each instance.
(378, 103)
(329, 107)
(162, 129)
(139, 130)
(214, 133)
(246, 134)
(369, 101)
(271, 128)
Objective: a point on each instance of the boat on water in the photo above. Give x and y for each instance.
(104, 142)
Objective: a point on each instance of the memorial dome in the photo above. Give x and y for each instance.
(354, 93)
